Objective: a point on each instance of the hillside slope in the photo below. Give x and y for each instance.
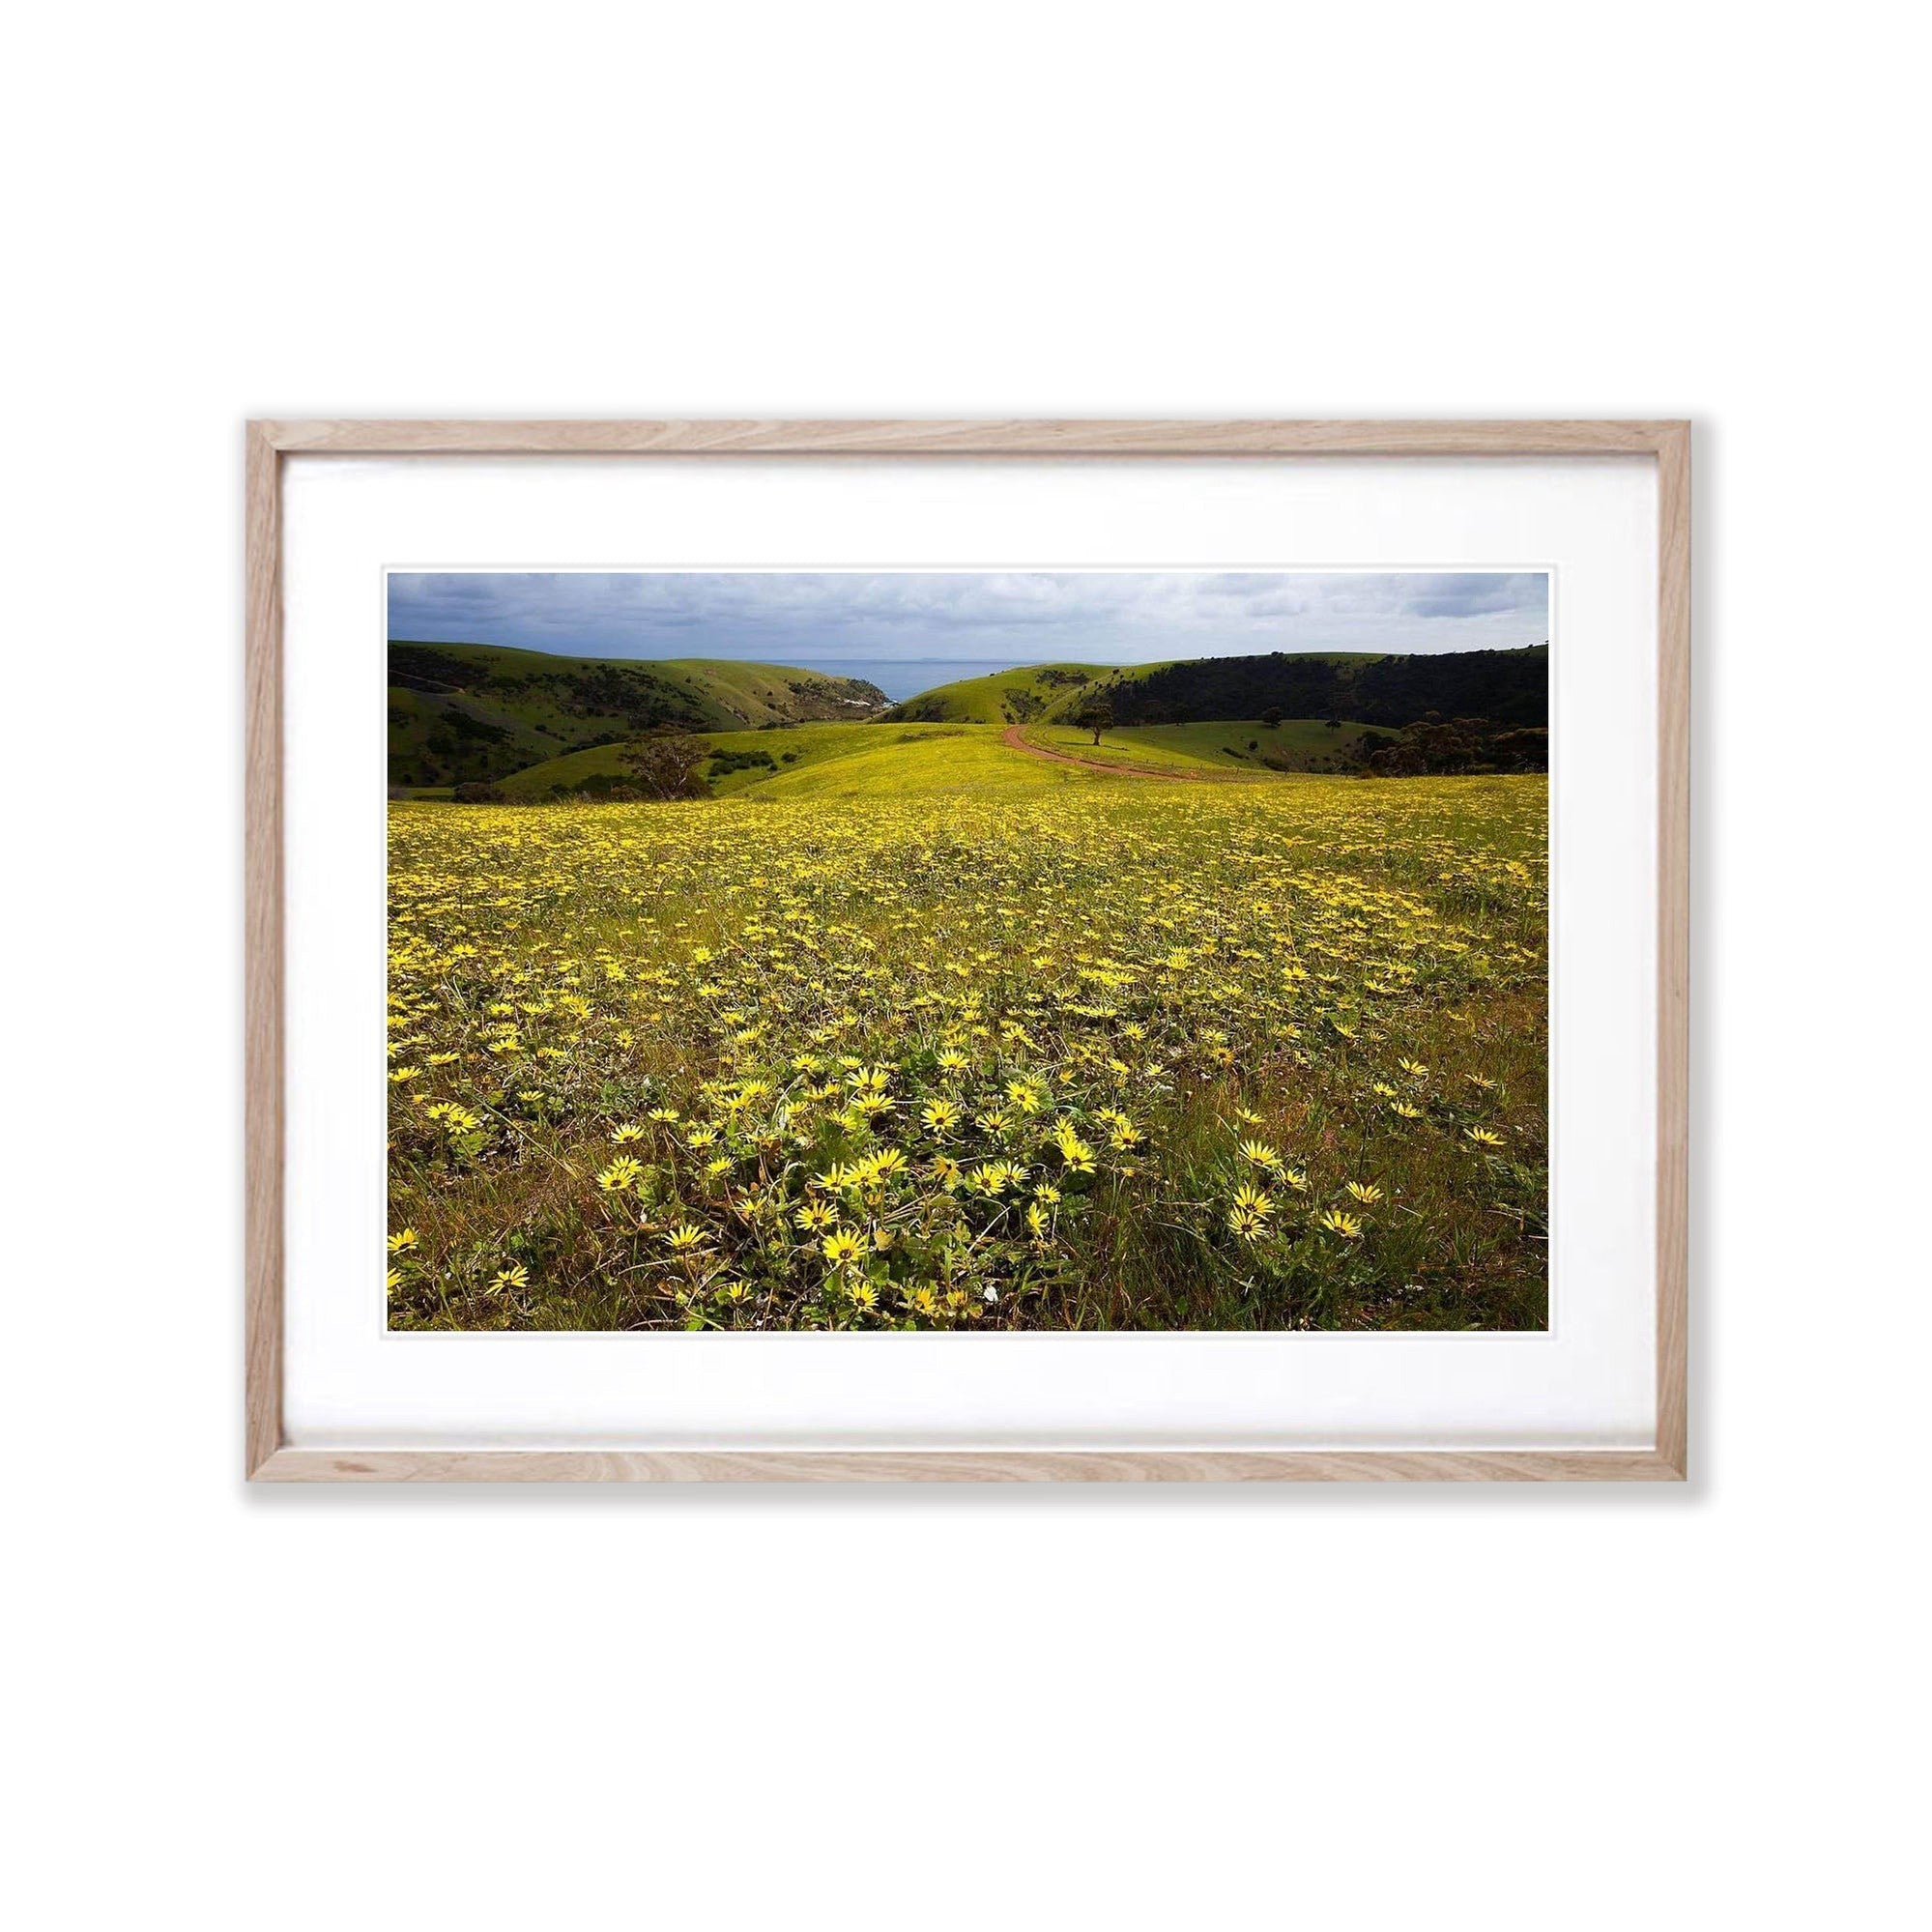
(1235, 746)
(1511, 687)
(464, 712)
(741, 760)
(1039, 691)
(1035, 694)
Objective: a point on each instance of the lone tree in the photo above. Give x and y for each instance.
(1272, 716)
(1096, 715)
(664, 767)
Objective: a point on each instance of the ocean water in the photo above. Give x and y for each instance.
(903, 677)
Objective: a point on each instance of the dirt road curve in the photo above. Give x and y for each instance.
(1015, 736)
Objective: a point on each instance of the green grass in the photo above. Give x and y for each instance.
(469, 733)
(794, 750)
(1240, 747)
(482, 712)
(1006, 697)
(791, 748)
(1134, 750)
(935, 761)
(565, 774)
(1297, 742)
(891, 760)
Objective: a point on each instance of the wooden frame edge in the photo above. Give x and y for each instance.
(267, 1459)
(1673, 946)
(940, 436)
(262, 865)
(968, 1466)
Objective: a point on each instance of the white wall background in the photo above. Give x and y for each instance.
(1335, 1709)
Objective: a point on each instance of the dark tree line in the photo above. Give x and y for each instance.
(1436, 746)
(1508, 687)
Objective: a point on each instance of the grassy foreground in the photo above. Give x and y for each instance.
(939, 1035)
(776, 753)
(1297, 744)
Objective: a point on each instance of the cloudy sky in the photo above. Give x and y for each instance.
(1029, 616)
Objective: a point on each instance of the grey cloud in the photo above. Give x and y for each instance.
(1100, 616)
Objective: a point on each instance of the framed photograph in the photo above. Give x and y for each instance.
(956, 951)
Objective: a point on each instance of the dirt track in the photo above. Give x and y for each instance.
(1015, 736)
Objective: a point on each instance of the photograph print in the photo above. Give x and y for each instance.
(967, 951)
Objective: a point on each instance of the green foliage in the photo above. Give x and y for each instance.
(1441, 746)
(723, 762)
(480, 713)
(1093, 714)
(1511, 687)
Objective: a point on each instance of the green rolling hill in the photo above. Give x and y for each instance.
(1508, 687)
(739, 761)
(540, 726)
(856, 760)
(1039, 692)
(462, 714)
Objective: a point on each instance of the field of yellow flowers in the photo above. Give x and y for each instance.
(1106, 1055)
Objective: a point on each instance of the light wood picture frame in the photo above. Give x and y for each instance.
(269, 1456)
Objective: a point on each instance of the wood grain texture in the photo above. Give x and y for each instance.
(263, 993)
(1673, 946)
(1018, 1465)
(567, 437)
(270, 1459)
